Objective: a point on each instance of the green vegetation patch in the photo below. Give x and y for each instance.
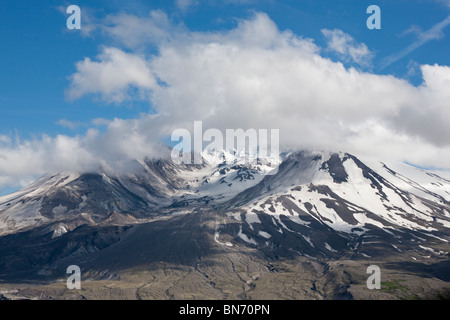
(395, 287)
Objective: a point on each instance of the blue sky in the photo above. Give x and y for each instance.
(39, 55)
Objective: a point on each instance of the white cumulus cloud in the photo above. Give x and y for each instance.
(112, 76)
(253, 76)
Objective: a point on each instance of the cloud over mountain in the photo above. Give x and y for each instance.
(253, 76)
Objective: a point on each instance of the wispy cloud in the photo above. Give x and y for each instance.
(423, 37)
(183, 5)
(347, 48)
(72, 125)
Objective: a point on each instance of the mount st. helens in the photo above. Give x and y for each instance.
(221, 230)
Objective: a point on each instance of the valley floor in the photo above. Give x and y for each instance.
(240, 275)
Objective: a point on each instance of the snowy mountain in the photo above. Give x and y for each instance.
(338, 194)
(318, 205)
(149, 188)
